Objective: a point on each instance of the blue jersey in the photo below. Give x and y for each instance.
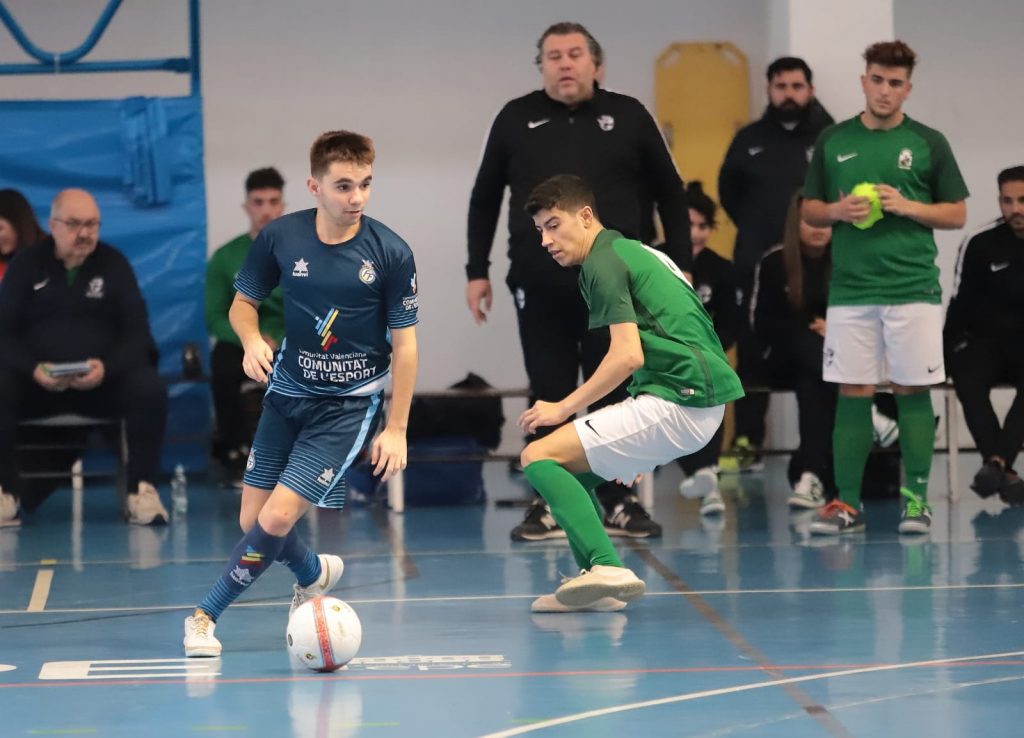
(340, 302)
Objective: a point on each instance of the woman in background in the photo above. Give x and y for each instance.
(18, 226)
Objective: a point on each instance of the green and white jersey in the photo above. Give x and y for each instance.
(624, 281)
(893, 261)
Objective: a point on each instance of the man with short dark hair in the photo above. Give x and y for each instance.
(76, 339)
(984, 338)
(264, 202)
(763, 167)
(571, 126)
(884, 318)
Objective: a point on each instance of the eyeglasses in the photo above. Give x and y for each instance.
(77, 225)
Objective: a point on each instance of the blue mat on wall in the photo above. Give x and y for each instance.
(142, 159)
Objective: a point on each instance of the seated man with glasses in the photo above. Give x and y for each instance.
(75, 339)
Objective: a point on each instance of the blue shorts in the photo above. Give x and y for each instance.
(308, 443)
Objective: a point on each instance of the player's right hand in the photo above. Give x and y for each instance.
(479, 298)
(852, 209)
(258, 360)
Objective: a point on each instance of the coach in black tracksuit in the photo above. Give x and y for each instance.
(764, 165)
(572, 126)
(73, 298)
(984, 338)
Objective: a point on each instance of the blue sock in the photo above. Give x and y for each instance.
(252, 556)
(295, 554)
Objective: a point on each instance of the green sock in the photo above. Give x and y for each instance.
(576, 511)
(851, 443)
(917, 439)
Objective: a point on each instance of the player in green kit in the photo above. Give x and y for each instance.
(884, 320)
(663, 338)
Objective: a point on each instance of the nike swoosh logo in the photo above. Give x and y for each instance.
(932, 370)
(537, 123)
(844, 157)
(755, 150)
(39, 285)
(999, 267)
(587, 423)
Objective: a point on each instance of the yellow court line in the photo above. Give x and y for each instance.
(40, 591)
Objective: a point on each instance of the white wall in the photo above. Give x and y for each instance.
(423, 79)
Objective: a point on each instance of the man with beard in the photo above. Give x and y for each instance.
(884, 313)
(76, 339)
(984, 338)
(764, 166)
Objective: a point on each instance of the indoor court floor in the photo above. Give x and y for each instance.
(749, 628)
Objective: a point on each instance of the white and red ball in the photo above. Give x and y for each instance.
(324, 634)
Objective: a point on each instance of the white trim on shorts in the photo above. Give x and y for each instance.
(640, 433)
(871, 344)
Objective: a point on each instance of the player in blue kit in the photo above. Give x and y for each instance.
(350, 301)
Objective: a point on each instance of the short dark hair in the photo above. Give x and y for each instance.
(564, 192)
(564, 29)
(699, 200)
(264, 179)
(333, 146)
(891, 54)
(789, 64)
(1012, 174)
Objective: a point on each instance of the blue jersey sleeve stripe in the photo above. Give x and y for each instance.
(249, 288)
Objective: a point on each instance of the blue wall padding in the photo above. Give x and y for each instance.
(142, 159)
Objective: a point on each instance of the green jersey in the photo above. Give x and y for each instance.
(220, 291)
(893, 261)
(624, 281)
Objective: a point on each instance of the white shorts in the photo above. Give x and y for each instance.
(871, 344)
(634, 436)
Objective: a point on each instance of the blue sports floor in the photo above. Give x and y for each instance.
(748, 628)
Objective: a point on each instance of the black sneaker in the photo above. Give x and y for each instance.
(629, 519)
(538, 525)
(917, 516)
(989, 480)
(1012, 491)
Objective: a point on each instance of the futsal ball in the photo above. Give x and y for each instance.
(866, 189)
(324, 634)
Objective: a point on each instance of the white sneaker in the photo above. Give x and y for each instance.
(145, 507)
(331, 569)
(9, 506)
(712, 504)
(550, 603)
(808, 493)
(701, 484)
(600, 582)
(886, 430)
(199, 640)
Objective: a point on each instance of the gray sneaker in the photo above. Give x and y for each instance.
(331, 569)
(712, 504)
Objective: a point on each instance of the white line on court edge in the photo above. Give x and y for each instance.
(40, 591)
(488, 598)
(690, 696)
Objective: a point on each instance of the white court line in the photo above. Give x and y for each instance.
(489, 598)
(690, 696)
(40, 591)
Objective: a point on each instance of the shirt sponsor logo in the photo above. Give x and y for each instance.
(367, 274)
(906, 159)
(323, 329)
(301, 268)
(755, 150)
(606, 122)
(39, 285)
(999, 267)
(95, 289)
(537, 123)
(845, 157)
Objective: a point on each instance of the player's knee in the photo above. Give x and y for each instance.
(277, 521)
(246, 520)
(533, 452)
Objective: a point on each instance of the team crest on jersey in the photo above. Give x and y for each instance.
(301, 268)
(606, 122)
(906, 159)
(367, 274)
(95, 288)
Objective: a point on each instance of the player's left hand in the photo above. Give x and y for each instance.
(389, 454)
(893, 201)
(92, 379)
(543, 414)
